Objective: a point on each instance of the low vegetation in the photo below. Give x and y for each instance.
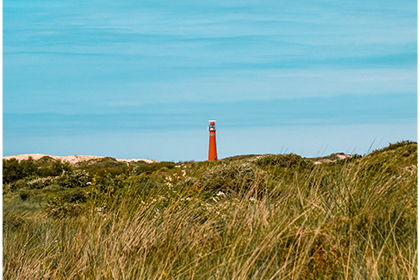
(245, 217)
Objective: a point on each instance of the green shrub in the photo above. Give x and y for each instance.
(284, 161)
(75, 179)
(33, 174)
(53, 167)
(11, 170)
(231, 177)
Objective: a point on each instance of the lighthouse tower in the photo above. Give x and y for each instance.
(212, 142)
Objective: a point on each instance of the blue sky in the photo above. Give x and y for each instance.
(139, 78)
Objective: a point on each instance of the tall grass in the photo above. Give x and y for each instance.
(354, 219)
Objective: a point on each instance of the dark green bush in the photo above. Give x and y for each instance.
(14, 170)
(228, 177)
(284, 161)
(52, 167)
(75, 179)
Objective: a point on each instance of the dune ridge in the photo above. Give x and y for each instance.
(73, 159)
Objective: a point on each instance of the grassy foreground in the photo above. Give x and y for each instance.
(246, 217)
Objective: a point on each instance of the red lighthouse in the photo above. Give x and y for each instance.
(212, 142)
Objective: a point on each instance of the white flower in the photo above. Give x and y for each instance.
(252, 199)
(220, 193)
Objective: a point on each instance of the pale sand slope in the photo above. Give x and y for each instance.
(73, 159)
(340, 156)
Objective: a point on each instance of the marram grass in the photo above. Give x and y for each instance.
(234, 219)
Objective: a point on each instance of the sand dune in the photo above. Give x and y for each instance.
(72, 159)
